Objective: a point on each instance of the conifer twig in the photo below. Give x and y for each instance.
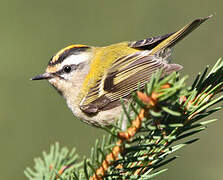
(165, 112)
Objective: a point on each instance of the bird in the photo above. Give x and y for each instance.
(94, 79)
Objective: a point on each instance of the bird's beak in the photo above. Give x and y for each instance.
(42, 76)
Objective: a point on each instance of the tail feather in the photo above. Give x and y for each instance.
(179, 35)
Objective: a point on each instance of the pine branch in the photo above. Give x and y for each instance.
(165, 112)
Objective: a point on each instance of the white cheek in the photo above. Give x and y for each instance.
(76, 59)
(68, 76)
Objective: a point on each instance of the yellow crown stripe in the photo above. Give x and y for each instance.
(56, 57)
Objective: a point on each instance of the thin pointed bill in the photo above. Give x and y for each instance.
(42, 76)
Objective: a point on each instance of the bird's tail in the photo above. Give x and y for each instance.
(179, 35)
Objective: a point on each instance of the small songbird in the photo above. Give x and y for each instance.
(93, 79)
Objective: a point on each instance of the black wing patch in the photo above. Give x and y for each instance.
(149, 43)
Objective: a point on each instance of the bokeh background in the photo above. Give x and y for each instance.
(33, 116)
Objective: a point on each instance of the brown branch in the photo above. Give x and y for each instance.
(151, 102)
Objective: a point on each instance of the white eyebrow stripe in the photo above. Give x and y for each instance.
(75, 59)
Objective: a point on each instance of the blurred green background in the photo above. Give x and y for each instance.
(33, 115)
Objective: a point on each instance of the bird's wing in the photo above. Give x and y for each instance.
(149, 43)
(122, 78)
(126, 72)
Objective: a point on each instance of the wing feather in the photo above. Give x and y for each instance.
(149, 43)
(123, 78)
(126, 72)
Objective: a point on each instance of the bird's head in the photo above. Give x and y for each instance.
(68, 68)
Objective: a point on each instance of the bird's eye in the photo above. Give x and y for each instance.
(67, 69)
